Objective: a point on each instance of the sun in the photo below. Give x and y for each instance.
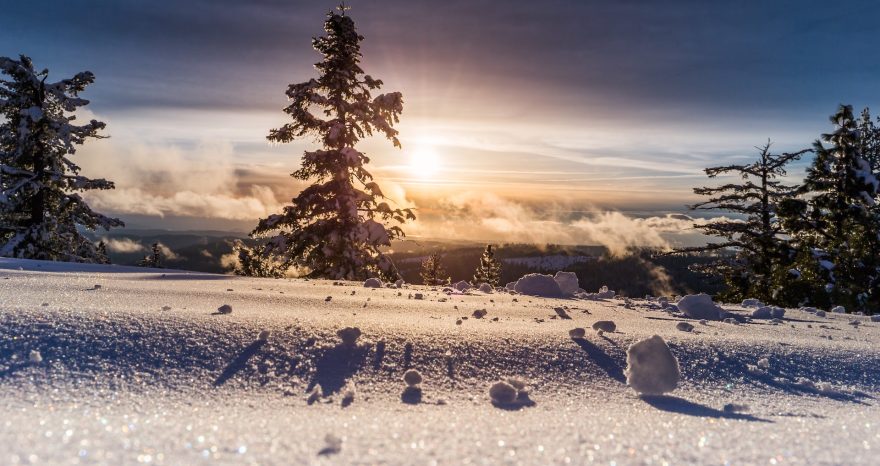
(424, 162)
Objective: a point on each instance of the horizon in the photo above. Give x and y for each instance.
(529, 127)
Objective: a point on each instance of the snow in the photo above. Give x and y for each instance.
(121, 379)
(224, 309)
(651, 368)
(700, 306)
(568, 282)
(486, 288)
(605, 326)
(751, 302)
(577, 332)
(462, 286)
(412, 377)
(372, 283)
(536, 284)
(838, 310)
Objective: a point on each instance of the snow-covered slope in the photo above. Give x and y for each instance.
(142, 368)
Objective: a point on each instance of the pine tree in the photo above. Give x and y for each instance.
(760, 251)
(834, 221)
(154, 259)
(489, 270)
(433, 273)
(40, 208)
(252, 263)
(869, 140)
(337, 226)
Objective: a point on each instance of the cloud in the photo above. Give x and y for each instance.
(202, 181)
(488, 217)
(167, 253)
(123, 245)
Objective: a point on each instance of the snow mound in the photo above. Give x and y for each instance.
(486, 288)
(536, 284)
(699, 306)
(777, 312)
(224, 309)
(684, 326)
(577, 333)
(651, 368)
(875, 318)
(462, 286)
(838, 310)
(752, 302)
(372, 283)
(568, 282)
(503, 393)
(820, 313)
(762, 312)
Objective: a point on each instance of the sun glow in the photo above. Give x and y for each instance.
(424, 162)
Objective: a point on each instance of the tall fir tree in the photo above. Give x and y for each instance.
(754, 234)
(433, 273)
(834, 221)
(40, 208)
(489, 270)
(336, 228)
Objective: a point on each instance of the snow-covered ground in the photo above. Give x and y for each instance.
(143, 368)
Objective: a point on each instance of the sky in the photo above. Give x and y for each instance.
(551, 121)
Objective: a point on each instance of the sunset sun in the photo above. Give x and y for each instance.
(424, 162)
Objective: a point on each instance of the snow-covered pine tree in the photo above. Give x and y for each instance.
(251, 263)
(489, 270)
(40, 210)
(869, 140)
(754, 233)
(153, 259)
(337, 226)
(833, 220)
(433, 273)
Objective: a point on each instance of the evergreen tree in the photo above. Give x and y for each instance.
(869, 140)
(489, 270)
(433, 273)
(252, 263)
(40, 208)
(834, 221)
(337, 226)
(755, 232)
(154, 259)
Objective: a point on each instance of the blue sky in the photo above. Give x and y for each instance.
(554, 107)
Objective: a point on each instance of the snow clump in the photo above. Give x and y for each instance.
(838, 310)
(35, 357)
(752, 302)
(684, 326)
(349, 335)
(412, 378)
(652, 369)
(699, 306)
(536, 284)
(486, 288)
(462, 286)
(372, 283)
(576, 333)
(224, 309)
(605, 326)
(568, 282)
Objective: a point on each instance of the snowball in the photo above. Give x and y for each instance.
(838, 310)
(349, 335)
(651, 367)
(763, 312)
(35, 357)
(225, 309)
(486, 288)
(503, 393)
(568, 282)
(764, 363)
(372, 283)
(820, 313)
(605, 326)
(577, 333)
(412, 377)
(479, 313)
(684, 326)
(418, 296)
(699, 306)
(752, 302)
(462, 286)
(264, 335)
(536, 284)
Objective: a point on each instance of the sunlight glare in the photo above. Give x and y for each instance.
(424, 162)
